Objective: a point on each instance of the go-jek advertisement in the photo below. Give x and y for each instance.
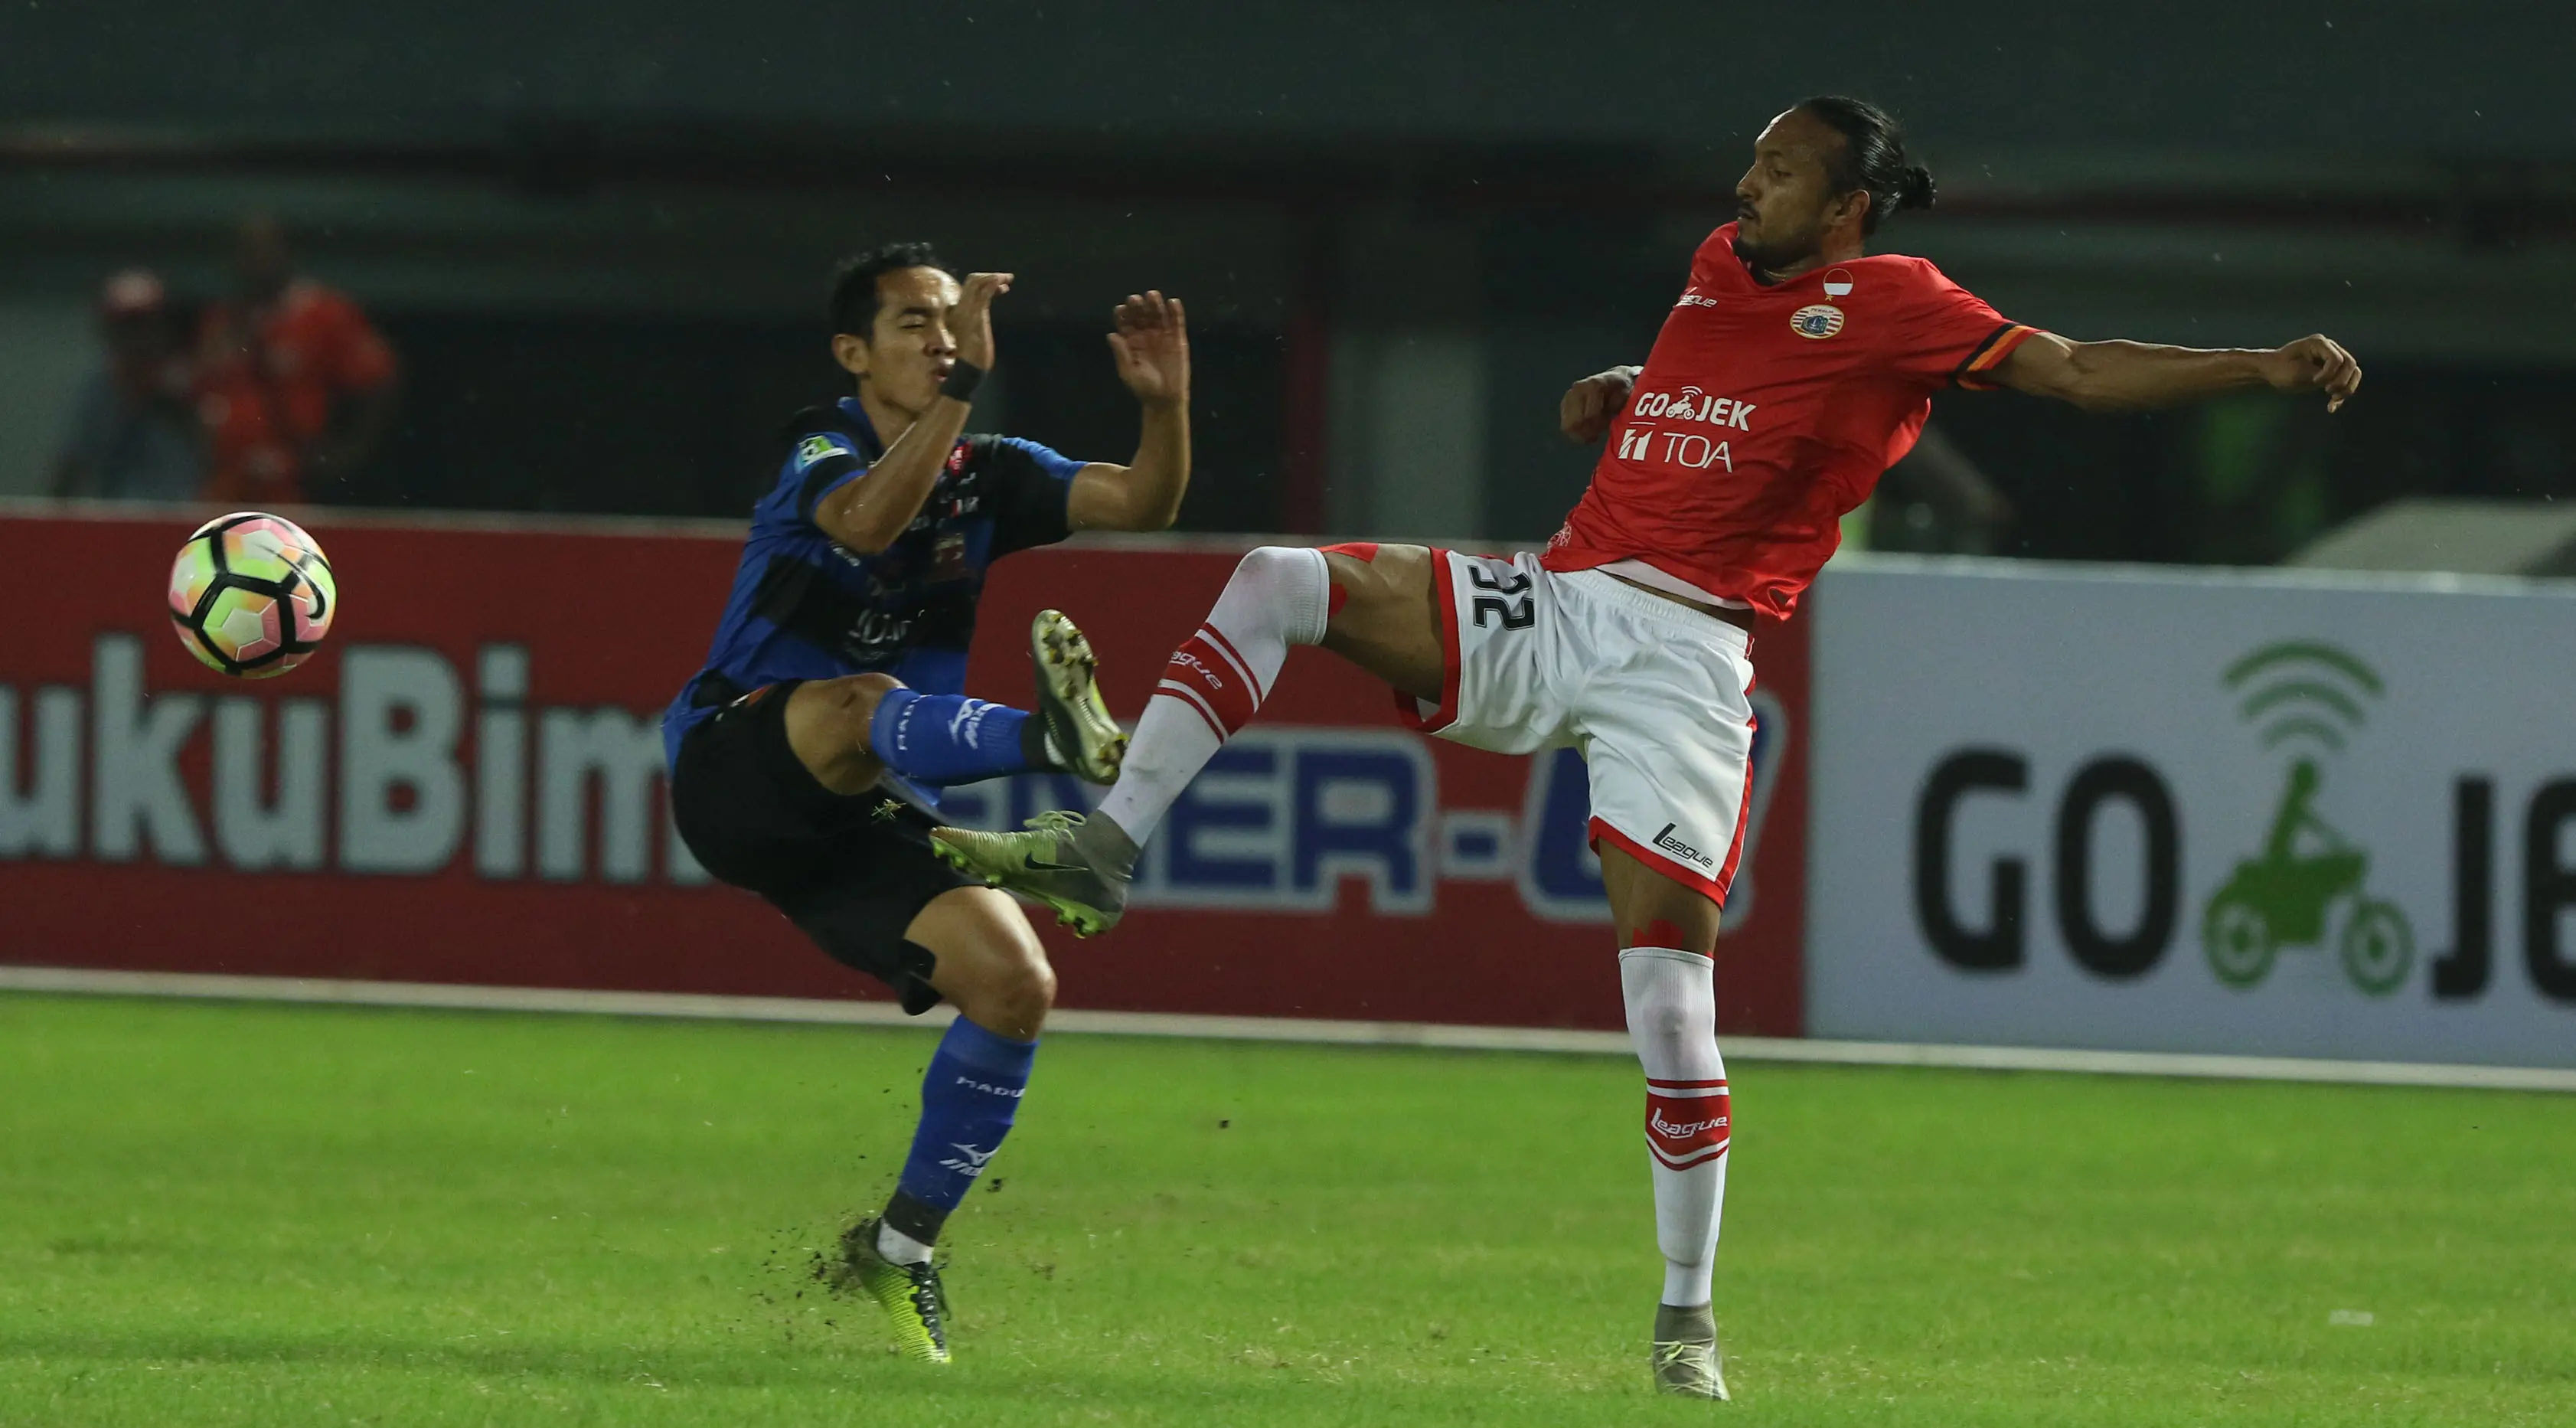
(465, 785)
(2264, 813)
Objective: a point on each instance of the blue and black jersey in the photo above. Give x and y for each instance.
(803, 607)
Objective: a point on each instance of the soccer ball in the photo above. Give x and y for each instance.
(252, 595)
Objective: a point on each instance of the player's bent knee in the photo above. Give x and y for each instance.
(837, 711)
(1018, 971)
(1012, 995)
(854, 700)
(1032, 986)
(827, 727)
(989, 965)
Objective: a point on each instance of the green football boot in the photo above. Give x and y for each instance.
(1686, 1358)
(911, 1295)
(1079, 731)
(1079, 867)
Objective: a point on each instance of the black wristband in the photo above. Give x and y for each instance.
(962, 379)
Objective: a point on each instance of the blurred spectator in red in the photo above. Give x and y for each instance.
(297, 388)
(133, 436)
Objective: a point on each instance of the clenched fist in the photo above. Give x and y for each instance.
(1588, 405)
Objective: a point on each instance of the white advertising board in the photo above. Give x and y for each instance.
(2267, 814)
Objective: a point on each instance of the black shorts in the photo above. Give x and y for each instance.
(851, 870)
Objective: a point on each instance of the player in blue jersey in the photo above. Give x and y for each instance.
(806, 756)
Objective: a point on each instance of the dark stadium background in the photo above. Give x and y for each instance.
(596, 232)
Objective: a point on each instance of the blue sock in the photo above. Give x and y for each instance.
(941, 739)
(968, 1097)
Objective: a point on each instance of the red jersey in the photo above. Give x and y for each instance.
(1765, 413)
(270, 380)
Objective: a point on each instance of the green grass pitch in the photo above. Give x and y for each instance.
(258, 1215)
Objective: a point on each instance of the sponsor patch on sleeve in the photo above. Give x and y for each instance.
(815, 448)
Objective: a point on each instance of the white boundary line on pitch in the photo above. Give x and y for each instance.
(688, 1005)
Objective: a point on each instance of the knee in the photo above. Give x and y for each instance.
(1671, 998)
(1033, 988)
(1284, 588)
(1283, 573)
(1666, 1020)
(1027, 980)
(1268, 562)
(1006, 986)
(1015, 1000)
(851, 703)
(861, 692)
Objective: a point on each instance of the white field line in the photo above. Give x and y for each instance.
(91, 982)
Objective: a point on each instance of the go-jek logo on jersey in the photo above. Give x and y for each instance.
(1691, 404)
(1684, 448)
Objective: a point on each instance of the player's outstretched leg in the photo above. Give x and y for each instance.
(991, 967)
(846, 730)
(1279, 596)
(1668, 979)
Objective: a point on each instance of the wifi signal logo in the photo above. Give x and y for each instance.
(2302, 691)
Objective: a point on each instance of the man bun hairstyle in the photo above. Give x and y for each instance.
(1914, 187)
(854, 283)
(1873, 157)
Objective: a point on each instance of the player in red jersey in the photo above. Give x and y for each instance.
(1795, 368)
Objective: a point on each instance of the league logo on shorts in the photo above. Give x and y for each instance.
(1817, 320)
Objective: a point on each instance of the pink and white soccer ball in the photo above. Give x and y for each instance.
(252, 595)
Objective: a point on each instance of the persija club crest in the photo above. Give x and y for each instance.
(1818, 320)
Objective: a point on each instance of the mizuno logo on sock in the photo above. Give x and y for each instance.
(972, 1165)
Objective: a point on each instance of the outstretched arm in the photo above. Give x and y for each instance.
(1152, 346)
(2134, 376)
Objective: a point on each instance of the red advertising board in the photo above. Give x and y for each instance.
(464, 786)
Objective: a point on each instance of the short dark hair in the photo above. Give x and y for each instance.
(1873, 157)
(854, 282)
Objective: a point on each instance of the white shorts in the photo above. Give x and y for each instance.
(1653, 694)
